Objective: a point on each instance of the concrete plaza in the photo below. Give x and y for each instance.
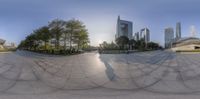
(142, 75)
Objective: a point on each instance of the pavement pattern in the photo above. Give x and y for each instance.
(142, 75)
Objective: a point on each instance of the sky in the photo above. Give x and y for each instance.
(18, 18)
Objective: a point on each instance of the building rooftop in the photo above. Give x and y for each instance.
(186, 41)
(186, 38)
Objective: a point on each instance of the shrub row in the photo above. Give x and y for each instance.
(57, 52)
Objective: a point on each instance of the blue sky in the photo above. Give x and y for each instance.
(19, 18)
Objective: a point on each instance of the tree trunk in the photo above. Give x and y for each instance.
(57, 44)
(78, 46)
(45, 44)
(65, 39)
(71, 39)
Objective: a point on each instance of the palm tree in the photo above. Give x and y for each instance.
(57, 28)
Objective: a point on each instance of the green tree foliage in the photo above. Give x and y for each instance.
(31, 41)
(140, 44)
(132, 43)
(43, 34)
(153, 46)
(72, 31)
(57, 28)
(83, 39)
(77, 33)
(122, 42)
(108, 46)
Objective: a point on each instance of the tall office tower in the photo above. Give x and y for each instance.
(137, 36)
(124, 28)
(178, 30)
(169, 37)
(193, 31)
(145, 34)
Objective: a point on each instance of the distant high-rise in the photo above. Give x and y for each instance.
(137, 36)
(124, 28)
(145, 34)
(178, 30)
(169, 37)
(193, 31)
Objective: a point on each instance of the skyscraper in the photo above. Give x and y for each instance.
(193, 31)
(178, 30)
(145, 34)
(124, 28)
(137, 36)
(169, 37)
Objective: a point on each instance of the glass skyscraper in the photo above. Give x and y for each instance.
(124, 28)
(145, 34)
(178, 30)
(169, 37)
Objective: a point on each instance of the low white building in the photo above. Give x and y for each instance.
(184, 44)
(10, 45)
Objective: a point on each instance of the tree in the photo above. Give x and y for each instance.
(112, 45)
(73, 30)
(140, 44)
(82, 39)
(57, 28)
(31, 41)
(132, 43)
(104, 45)
(22, 44)
(44, 34)
(77, 33)
(108, 46)
(152, 45)
(122, 41)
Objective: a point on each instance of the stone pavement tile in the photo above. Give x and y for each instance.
(91, 73)
(22, 87)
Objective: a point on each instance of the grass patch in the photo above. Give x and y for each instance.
(7, 50)
(57, 52)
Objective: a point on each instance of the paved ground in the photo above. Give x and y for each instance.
(145, 75)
